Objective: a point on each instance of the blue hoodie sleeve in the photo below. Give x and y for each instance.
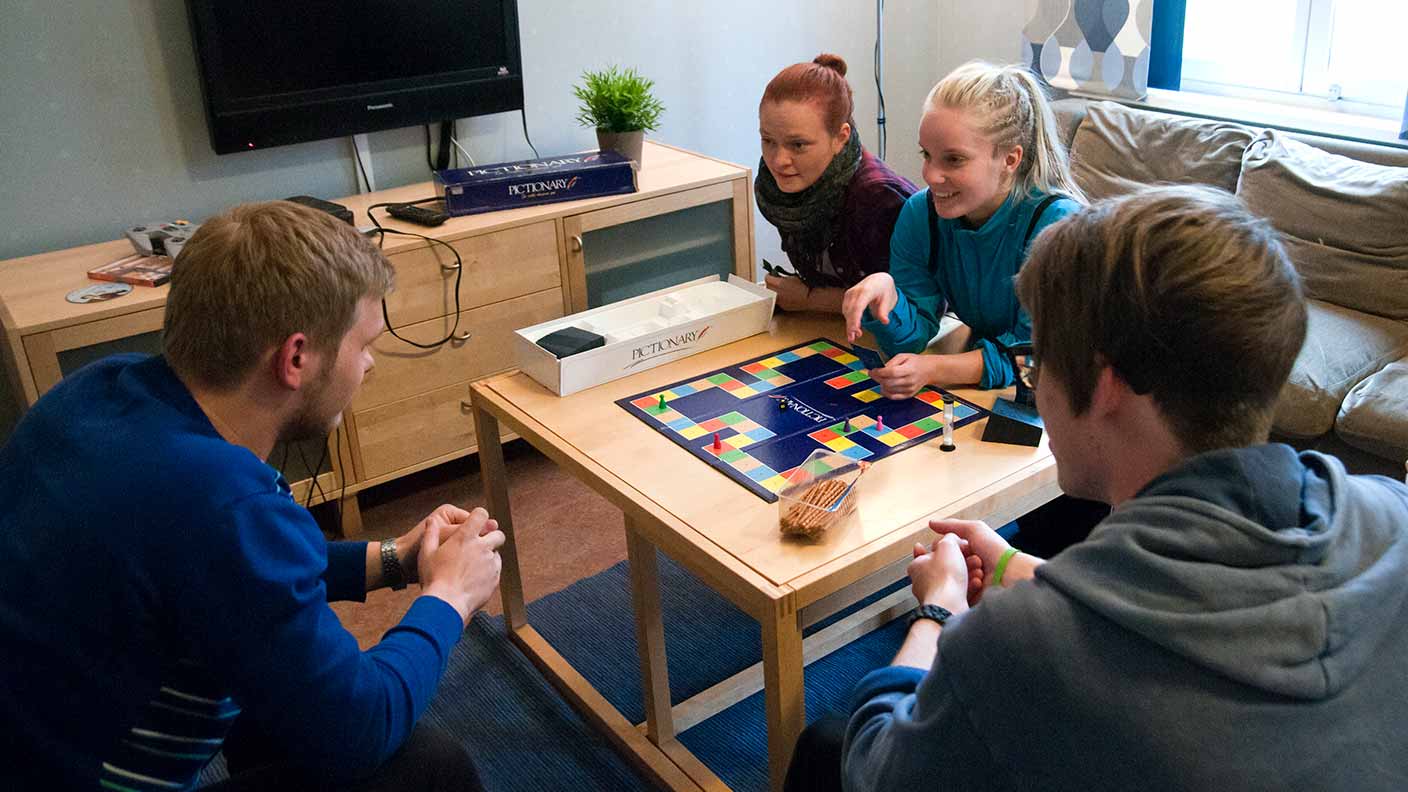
(915, 317)
(253, 604)
(346, 575)
(909, 731)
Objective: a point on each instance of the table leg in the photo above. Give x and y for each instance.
(491, 467)
(782, 686)
(650, 636)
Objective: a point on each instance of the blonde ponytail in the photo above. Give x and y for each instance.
(1010, 107)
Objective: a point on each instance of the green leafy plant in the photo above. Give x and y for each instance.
(617, 100)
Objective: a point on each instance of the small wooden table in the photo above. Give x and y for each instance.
(728, 537)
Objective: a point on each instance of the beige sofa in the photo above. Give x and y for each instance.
(1343, 210)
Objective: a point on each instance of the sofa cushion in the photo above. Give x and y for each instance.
(1117, 150)
(1342, 348)
(1374, 416)
(1345, 221)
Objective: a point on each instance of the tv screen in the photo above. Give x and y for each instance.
(285, 71)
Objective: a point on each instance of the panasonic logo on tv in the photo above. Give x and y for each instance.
(383, 106)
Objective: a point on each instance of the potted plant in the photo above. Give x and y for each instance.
(620, 105)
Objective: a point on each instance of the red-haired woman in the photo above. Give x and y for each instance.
(833, 203)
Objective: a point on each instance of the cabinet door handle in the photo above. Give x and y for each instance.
(466, 405)
(449, 267)
(460, 337)
(576, 243)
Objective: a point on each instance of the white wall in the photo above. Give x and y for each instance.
(104, 125)
(986, 29)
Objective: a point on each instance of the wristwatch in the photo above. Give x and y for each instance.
(392, 573)
(931, 612)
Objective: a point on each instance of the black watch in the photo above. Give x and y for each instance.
(931, 612)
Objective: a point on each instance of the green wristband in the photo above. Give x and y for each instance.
(1002, 565)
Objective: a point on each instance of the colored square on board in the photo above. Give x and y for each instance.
(788, 357)
(930, 397)
(774, 484)
(713, 425)
(856, 376)
(823, 435)
(766, 373)
(761, 433)
(731, 455)
(748, 463)
(680, 424)
(802, 352)
(731, 385)
(693, 432)
(780, 380)
(847, 358)
(839, 444)
(839, 382)
(761, 474)
(733, 419)
(701, 384)
(754, 368)
(929, 424)
(682, 390)
(834, 353)
(740, 441)
(857, 452)
(817, 467)
(891, 438)
(867, 396)
(646, 403)
(670, 395)
(820, 346)
(745, 426)
(762, 386)
(720, 378)
(911, 431)
(862, 422)
(668, 416)
(744, 392)
(772, 363)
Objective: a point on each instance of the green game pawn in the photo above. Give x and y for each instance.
(662, 402)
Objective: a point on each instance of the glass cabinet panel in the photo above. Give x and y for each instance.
(641, 256)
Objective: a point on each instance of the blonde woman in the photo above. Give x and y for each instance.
(997, 174)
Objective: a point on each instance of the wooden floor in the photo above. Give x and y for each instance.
(567, 531)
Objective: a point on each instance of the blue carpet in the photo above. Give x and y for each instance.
(707, 641)
(522, 735)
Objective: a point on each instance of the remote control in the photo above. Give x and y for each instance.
(417, 214)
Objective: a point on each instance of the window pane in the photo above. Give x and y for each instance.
(1366, 51)
(1253, 43)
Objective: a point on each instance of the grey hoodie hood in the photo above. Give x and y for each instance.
(1268, 567)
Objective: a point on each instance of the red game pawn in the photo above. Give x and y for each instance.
(718, 445)
(879, 423)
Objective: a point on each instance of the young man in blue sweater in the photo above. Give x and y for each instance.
(1239, 621)
(162, 588)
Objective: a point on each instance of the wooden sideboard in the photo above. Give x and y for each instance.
(691, 216)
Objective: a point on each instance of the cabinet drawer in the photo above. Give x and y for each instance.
(402, 370)
(404, 433)
(497, 266)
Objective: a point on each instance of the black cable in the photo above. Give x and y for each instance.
(341, 529)
(524, 114)
(459, 274)
(879, 88)
(358, 155)
(316, 486)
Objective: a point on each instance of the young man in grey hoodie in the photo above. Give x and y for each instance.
(1240, 621)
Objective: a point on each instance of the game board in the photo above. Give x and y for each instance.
(823, 386)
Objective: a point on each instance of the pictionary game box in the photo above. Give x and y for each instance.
(507, 185)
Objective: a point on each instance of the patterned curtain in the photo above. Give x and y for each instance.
(1093, 46)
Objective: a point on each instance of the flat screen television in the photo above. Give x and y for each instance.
(275, 72)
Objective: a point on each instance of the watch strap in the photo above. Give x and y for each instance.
(392, 573)
(931, 612)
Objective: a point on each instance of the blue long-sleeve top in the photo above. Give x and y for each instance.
(973, 278)
(160, 582)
